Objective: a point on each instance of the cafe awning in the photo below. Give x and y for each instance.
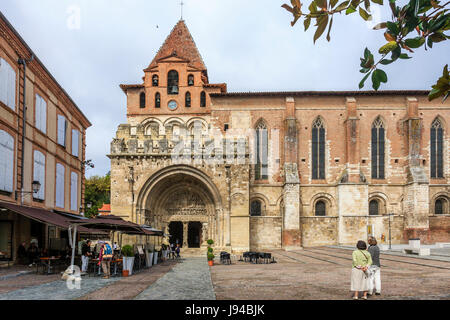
(45, 216)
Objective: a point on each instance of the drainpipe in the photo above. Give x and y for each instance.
(24, 119)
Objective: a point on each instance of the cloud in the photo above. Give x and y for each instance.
(249, 44)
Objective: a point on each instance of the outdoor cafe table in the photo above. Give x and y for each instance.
(115, 262)
(47, 261)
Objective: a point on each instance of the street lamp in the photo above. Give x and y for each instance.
(35, 186)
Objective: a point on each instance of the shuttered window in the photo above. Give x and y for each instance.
(203, 99)
(437, 149)
(6, 161)
(378, 147)
(59, 194)
(39, 174)
(262, 152)
(41, 114)
(74, 191)
(62, 127)
(75, 142)
(318, 150)
(7, 84)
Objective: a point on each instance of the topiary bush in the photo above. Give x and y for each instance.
(127, 251)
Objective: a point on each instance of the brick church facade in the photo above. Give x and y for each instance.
(272, 170)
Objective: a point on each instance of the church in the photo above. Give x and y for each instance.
(277, 170)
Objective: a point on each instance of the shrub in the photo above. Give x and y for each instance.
(210, 242)
(127, 251)
(210, 256)
(210, 249)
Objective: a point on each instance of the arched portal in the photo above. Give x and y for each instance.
(184, 201)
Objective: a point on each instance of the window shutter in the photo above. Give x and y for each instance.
(11, 88)
(440, 153)
(381, 154)
(39, 174)
(43, 116)
(314, 153)
(74, 192)
(60, 186)
(322, 153)
(258, 156)
(374, 153)
(433, 152)
(75, 144)
(2, 81)
(7, 84)
(62, 127)
(6, 161)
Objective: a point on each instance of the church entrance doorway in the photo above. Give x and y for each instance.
(176, 232)
(194, 234)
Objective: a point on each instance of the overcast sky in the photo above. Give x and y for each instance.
(248, 44)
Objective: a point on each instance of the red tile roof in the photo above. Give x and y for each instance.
(106, 208)
(181, 43)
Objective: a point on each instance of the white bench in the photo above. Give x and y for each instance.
(418, 251)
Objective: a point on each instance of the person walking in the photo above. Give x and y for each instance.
(374, 270)
(105, 258)
(361, 261)
(85, 254)
(172, 250)
(177, 250)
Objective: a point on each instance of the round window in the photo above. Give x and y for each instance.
(173, 105)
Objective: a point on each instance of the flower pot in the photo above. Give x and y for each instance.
(150, 259)
(155, 258)
(210, 263)
(125, 273)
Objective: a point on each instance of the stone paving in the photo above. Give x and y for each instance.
(190, 279)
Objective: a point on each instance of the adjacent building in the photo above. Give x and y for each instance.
(42, 143)
(268, 170)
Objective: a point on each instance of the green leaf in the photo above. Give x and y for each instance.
(404, 56)
(333, 3)
(386, 61)
(322, 22)
(438, 37)
(393, 28)
(415, 42)
(307, 22)
(342, 6)
(350, 10)
(375, 82)
(361, 84)
(329, 29)
(380, 2)
(364, 14)
(388, 47)
(378, 76)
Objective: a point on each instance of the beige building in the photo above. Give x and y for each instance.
(277, 169)
(44, 144)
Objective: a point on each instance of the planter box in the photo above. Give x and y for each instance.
(128, 263)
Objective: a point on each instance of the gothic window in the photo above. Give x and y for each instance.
(142, 100)
(155, 81)
(378, 133)
(157, 100)
(261, 168)
(172, 82)
(190, 80)
(374, 208)
(203, 99)
(320, 208)
(255, 208)
(188, 100)
(318, 149)
(437, 149)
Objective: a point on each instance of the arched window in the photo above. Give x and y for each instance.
(320, 208)
(190, 80)
(437, 149)
(142, 100)
(318, 149)
(6, 161)
(155, 81)
(374, 208)
(439, 206)
(157, 100)
(378, 149)
(255, 208)
(261, 148)
(203, 99)
(172, 82)
(188, 100)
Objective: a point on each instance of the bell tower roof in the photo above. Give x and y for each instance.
(180, 43)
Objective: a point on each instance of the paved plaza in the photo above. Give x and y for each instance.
(321, 273)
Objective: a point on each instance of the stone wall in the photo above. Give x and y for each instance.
(319, 231)
(265, 233)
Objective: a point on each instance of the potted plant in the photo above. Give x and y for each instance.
(128, 259)
(155, 257)
(210, 254)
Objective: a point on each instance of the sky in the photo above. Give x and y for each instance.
(93, 46)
